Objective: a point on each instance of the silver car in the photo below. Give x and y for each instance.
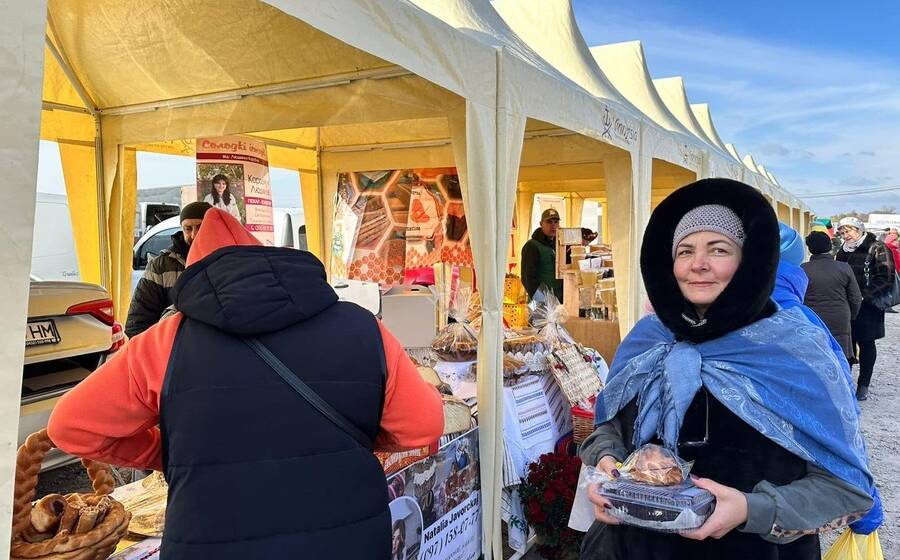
(71, 331)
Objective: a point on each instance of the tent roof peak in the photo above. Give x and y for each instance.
(549, 27)
(626, 67)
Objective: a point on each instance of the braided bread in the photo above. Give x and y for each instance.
(74, 527)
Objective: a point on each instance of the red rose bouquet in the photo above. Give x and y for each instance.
(547, 495)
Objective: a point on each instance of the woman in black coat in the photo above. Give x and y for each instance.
(833, 292)
(873, 267)
(709, 260)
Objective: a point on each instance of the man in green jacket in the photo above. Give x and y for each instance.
(539, 257)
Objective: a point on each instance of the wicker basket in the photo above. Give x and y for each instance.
(582, 424)
(96, 544)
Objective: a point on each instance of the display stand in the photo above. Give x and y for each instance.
(588, 294)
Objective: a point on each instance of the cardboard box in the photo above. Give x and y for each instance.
(602, 336)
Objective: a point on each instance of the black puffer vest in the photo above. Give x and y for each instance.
(253, 470)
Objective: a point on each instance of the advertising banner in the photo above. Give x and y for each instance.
(405, 219)
(233, 175)
(436, 505)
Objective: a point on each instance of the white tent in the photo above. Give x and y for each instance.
(673, 93)
(147, 73)
(516, 101)
(549, 28)
(704, 118)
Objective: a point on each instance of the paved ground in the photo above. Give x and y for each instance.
(880, 421)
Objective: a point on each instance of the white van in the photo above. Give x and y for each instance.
(53, 249)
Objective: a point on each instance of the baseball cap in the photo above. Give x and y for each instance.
(550, 214)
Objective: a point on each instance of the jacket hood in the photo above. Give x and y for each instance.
(792, 245)
(538, 235)
(179, 245)
(790, 285)
(235, 284)
(746, 299)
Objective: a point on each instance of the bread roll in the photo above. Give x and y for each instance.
(87, 519)
(46, 513)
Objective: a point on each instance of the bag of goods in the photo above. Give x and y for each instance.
(577, 377)
(548, 316)
(526, 347)
(458, 342)
(655, 492)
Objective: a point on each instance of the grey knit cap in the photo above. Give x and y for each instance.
(709, 217)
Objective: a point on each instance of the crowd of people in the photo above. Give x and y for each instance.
(743, 368)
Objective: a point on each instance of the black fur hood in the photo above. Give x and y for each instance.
(748, 297)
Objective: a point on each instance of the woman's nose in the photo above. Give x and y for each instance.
(700, 262)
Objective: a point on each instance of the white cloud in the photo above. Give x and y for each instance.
(813, 116)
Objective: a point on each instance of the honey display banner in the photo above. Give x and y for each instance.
(404, 219)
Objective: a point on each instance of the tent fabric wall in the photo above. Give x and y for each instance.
(626, 67)
(21, 71)
(479, 164)
(121, 199)
(80, 175)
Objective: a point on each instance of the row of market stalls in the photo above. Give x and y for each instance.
(507, 92)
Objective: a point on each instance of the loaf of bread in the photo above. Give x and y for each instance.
(656, 465)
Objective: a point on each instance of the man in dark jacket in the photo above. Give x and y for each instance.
(539, 257)
(194, 398)
(153, 293)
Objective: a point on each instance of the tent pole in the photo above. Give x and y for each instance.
(101, 204)
(260, 91)
(321, 197)
(91, 108)
(71, 76)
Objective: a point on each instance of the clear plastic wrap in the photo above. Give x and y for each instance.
(654, 491)
(458, 342)
(681, 507)
(655, 465)
(548, 315)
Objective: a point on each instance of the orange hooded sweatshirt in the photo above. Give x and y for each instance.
(113, 415)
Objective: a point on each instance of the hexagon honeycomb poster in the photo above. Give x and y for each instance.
(387, 222)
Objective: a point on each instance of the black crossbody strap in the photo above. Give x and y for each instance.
(307, 393)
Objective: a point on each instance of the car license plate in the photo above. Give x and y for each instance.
(38, 333)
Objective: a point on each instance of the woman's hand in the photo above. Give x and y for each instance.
(607, 465)
(730, 512)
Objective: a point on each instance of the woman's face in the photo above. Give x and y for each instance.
(396, 540)
(850, 233)
(220, 186)
(705, 263)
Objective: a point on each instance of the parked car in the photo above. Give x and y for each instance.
(71, 331)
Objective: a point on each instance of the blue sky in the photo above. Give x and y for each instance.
(811, 89)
